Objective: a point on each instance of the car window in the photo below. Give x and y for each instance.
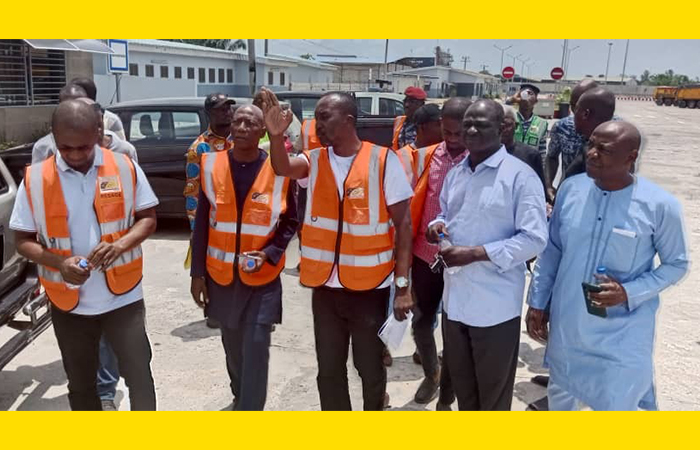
(186, 124)
(389, 107)
(364, 105)
(151, 126)
(308, 106)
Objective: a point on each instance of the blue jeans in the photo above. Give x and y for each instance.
(107, 373)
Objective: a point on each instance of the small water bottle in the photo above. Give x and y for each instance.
(601, 271)
(83, 264)
(444, 243)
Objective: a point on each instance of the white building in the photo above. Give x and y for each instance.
(441, 81)
(172, 69)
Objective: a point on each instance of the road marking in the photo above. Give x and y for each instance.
(26, 392)
(681, 122)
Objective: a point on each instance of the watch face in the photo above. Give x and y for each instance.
(402, 282)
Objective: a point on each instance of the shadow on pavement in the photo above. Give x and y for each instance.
(404, 369)
(172, 229)
(14, 382)
(195, 331)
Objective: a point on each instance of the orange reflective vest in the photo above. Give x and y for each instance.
(115, 194)
(265, 202)
(405, 155)
(421, 165)
(398, 124)
(355, 232)
(308, 135)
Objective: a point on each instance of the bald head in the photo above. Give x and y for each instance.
(488, 108)
(71, 92)
(596, 106)
(626, 136)
(75, 115)
(343, 102)
(481, 128)
(455, 108)
(579, 89)
(251, 110)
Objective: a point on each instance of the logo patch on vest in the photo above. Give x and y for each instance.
(355, 193)
(259, 197)
(109, 184)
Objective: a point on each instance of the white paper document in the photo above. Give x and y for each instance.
(393, 331)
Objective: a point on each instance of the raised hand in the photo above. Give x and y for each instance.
(277, 120)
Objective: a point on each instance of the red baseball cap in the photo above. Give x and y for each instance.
(415, 92)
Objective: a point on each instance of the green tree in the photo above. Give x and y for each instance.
(644, 78)
(221, 44)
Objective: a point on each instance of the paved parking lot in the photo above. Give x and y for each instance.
(188, 361)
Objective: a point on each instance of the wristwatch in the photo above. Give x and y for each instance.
(401, 282)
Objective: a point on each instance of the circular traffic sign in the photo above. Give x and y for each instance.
(508, 72)
(557, 73)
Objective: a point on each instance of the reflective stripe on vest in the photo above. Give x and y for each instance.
(422, 158)
(398, 124)
(405, 155)
(264, 203)
(535, 133)
(355, 233)
(308, 135)
(114, 209)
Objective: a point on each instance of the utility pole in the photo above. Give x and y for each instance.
(624, 64)
(483, 67)
(502, 50)
(465, 60)
(568, 60)
(522, 67)
(386, 58)
(563, 53)
(265, 47)
(251, 66)
(607, 65)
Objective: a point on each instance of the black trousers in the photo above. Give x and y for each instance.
(339, 316)
(247, 351)
(125, 331)
(482, 363)
(427, 292)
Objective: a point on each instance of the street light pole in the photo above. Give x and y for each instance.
(607, 66)
(386, 59)
(624, 63)
(502, 50)
(522, 67)
(568, 61)
(251, 66)
(563, 52)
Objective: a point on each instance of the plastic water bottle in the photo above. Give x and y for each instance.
(601, 271)
(444, 243)
(83, 264)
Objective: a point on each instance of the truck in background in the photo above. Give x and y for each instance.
(665, 95)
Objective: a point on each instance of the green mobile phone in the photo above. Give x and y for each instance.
(595, 310)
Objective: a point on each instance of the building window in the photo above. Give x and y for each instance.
(164, 71)
(221, 75)
(134, 70)
(178, 72)
(30, 76)
(270, 78)
(212, 76)
(229, 75)
(190, 73)
(149, 70)
(282, 79)
(202, 75)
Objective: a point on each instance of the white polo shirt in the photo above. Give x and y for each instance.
(79, 194)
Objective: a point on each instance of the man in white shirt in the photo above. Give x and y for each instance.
(84, 306)
(350, 253)
(493, 212)
(112, 122)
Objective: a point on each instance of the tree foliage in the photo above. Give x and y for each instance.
(221, 44)
(668, 78)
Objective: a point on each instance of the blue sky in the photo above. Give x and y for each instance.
(683, 56)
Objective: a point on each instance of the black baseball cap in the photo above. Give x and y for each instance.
(216, 100)
(426, 114)
(531, 87)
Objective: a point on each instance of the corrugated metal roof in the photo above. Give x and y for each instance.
(347, 59)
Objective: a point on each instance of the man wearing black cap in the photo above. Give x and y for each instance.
(530, 129)
(216, 138)
(428, 132)
(404, 127)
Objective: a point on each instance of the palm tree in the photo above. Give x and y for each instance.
(221, 44)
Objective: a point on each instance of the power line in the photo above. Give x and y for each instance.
(323, 46)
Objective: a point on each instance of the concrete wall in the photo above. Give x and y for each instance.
(138, 88)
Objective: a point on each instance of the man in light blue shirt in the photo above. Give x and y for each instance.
(493, 211)
(606, 218)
